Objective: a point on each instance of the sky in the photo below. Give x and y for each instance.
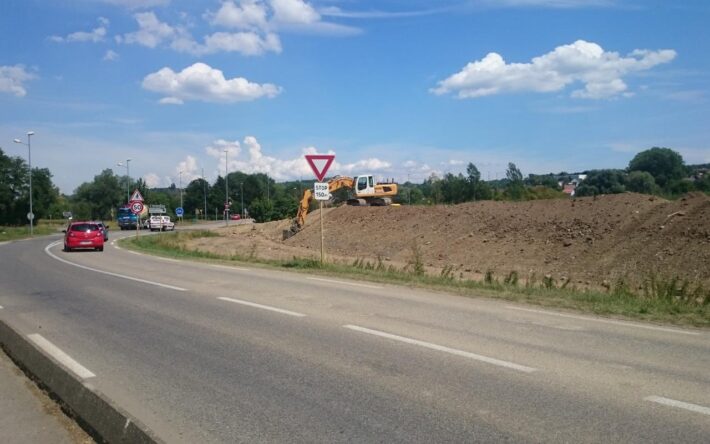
(397, 88)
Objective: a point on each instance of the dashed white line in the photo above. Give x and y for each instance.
(453, 351)
(355, 284)
(605, 321)
(263, 307)
(66, 360)
(122, 276)
(678, 404)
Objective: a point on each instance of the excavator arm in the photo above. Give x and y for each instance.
(333, 184)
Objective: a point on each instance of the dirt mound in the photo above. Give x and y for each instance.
(587, 240)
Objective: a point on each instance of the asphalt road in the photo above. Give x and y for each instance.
(204, 353)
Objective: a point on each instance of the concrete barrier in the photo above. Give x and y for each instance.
(92, 410)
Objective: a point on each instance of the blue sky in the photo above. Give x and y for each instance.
(399, 88)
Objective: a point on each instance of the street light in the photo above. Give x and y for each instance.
(128, 181)
(226, 186)
(241, 193)
(30, 215)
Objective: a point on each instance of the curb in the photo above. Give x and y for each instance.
(92, 409)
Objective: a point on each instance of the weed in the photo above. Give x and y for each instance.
(416, 262)
(548, 282)
(447, 272)
(488, 278)
(511, 279)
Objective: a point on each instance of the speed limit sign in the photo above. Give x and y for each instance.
(136, 207)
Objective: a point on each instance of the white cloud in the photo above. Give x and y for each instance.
(190, 170)
(94, 36)
(151, 33)
(600, 71)
(254, 161)
(152, 180)
(12, 79)
(137, 4)
(204, 83)
(110, 56)
(294, 11)
(248, 14)
(247, 43)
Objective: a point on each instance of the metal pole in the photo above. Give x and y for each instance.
(204, 191)
(29, 156)
(183, 209)
(226, 187)
(322, 248)
(241, 194)
(128, 182)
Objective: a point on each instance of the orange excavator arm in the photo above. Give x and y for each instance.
(333, 184)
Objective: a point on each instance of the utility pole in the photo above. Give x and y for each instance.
(226, 187)
(204, 191)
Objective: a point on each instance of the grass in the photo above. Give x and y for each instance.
(42, 228)
(661, 299)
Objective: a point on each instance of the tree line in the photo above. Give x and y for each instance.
(659, 171)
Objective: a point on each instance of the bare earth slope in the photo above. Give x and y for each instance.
(588, 240)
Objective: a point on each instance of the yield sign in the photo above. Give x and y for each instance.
(320, 163)
(136, 196)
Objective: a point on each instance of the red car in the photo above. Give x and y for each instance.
(235, 217)
(83, 235)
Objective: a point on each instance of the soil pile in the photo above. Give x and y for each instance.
(586, 240)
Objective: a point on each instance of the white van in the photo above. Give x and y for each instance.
(160, 223)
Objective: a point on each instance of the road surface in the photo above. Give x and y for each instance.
(206, 353)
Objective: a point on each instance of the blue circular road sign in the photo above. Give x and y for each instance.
(179, 211)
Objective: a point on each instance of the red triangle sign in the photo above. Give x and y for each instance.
(136, 196)
(320, 163)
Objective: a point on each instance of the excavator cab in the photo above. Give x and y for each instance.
(364, 186)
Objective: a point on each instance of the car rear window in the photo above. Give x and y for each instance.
(84, 227)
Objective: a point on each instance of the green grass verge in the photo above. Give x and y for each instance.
(23, 232)
(668, 301)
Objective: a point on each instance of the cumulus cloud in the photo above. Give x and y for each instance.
(190, 170)
(94, 36)
(152, 33)
(248, 157)
(204, 83)
(13, 78)
(601, 72)
(152, 180)
(110, 56)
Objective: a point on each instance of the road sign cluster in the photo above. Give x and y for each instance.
(136, 202)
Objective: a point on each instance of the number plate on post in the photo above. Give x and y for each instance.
(320, 191)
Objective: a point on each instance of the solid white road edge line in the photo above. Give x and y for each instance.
(263, 307)
(605, 321)
(453, 351)
(122, 276)
(66, 360)
(679, 404)
(1, 307)
(332, 281)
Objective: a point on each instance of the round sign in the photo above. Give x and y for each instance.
(136, 207)
(30, 216)
(179, 211)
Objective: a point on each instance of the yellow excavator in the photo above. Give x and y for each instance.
(365, 192)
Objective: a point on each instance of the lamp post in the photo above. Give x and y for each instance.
(226, 186)
(30, 215)
(241, 194)
(128, 180)
(204, 191)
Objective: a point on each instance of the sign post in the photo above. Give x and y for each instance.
(136, 203)
(320, 163)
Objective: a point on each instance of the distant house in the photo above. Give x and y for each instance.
(569, 188)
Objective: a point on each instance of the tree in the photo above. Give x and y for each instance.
(99, 197)
(641, 182)
(516, 188)
(664, 164)
(602, 182)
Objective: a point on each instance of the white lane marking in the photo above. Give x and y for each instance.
(678, 404)
(66, 360)
(332, 281)
(263, 307)
(226, 267)
(453, 351)
(1, 307)
(605, 321)
(122, 276)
